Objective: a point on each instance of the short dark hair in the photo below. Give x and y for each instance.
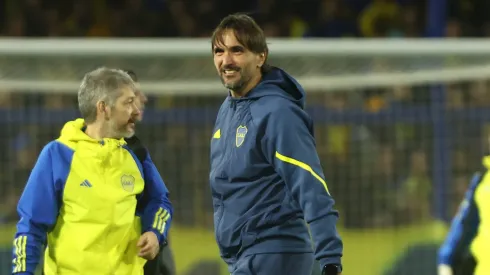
(132, 74)
(246, 31)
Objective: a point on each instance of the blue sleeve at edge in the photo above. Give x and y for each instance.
(154, 205)
(38, 206)
(463, 227)
(290, 146)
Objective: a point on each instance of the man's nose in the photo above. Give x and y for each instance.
(137, 114)
(227, 59)
(136, 110)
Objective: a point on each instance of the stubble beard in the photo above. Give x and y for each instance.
(118, 132)
(235, 86)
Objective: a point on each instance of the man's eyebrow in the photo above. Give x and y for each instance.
(237, 47)
(234, 47)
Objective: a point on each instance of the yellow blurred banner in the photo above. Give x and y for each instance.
(367, 251)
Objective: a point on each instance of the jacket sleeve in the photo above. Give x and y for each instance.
(463, 227)
(289, 146)
(38, 210)
(154, 204)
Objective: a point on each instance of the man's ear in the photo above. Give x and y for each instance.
(103, 110)
(261, 59)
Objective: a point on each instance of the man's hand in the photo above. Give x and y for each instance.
(149, 246)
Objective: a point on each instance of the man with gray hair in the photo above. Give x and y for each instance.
(87, 185)
(99, 90)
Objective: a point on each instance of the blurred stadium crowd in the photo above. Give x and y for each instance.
(285, 18)
(376, 170)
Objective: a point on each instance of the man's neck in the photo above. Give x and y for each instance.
(95, 131)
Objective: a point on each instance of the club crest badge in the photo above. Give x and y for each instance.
(241, 132)
(127, 182)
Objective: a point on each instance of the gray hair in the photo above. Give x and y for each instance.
(102, 84)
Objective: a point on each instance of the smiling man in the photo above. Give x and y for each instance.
(266, 177)
(85, 188)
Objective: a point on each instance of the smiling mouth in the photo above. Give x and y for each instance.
(230, 72)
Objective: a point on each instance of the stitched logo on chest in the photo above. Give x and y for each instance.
(127, 182)
(86, 183)
(241, 132)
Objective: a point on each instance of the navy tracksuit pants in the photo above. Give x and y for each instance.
(274, 264)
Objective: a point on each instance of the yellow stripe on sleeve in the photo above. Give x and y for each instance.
(156, 219)
(24, 253)
(303, 166)
(20, 245)
(16, 261)
(163, 222)
(160, 220)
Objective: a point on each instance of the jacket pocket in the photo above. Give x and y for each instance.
(228, 231)
(218, 218)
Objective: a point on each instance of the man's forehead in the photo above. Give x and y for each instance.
(227, 39)
(137, 86)
(127, 92)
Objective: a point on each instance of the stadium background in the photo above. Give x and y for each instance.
(397, 159)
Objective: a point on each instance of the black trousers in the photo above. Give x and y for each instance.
(163, 264)
(465, 266)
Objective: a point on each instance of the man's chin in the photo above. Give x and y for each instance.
(233, 85)
(129, 134)
(129, 131)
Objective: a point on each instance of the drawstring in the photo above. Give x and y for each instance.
(233, 104)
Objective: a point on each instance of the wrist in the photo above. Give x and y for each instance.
(331, 269)
(159, 236)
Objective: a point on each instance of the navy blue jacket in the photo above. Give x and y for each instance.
(266, 177)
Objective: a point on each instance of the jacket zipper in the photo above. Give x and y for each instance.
(233, 106)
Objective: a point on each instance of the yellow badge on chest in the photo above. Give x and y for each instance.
(127, 182)
(241, 132)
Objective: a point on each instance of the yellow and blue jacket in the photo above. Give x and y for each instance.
(470, 228)
(89, 201)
